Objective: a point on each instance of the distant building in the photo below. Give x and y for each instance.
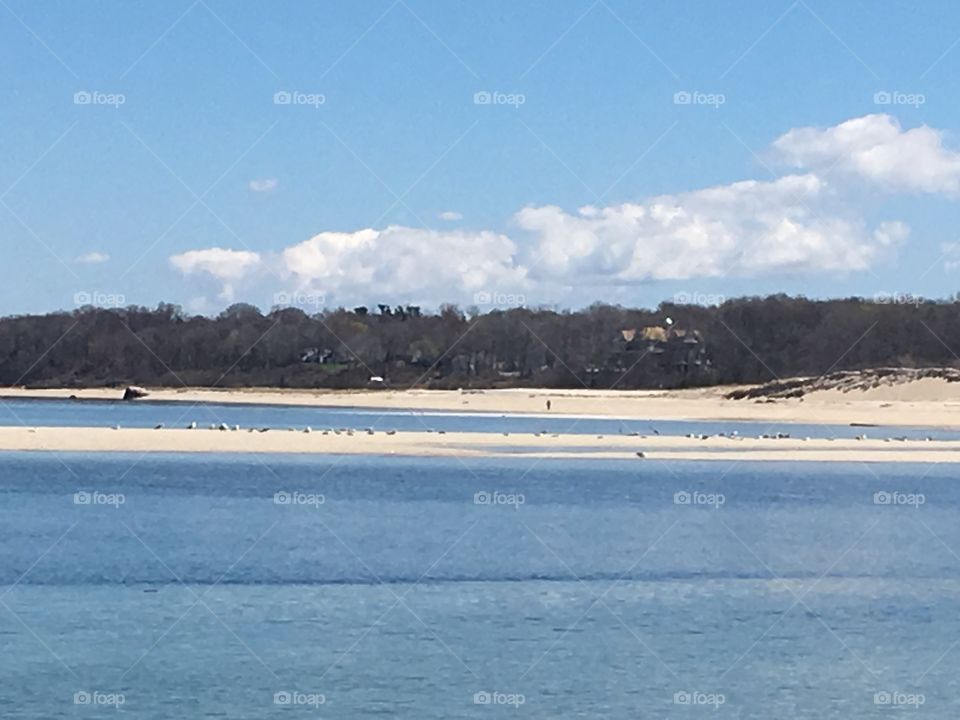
(679, 350)
(316, 355)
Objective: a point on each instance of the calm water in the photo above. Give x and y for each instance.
(59, 413)
(188, 588)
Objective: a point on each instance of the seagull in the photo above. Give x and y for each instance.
(192, 426)
(159, 427)
(640, 454)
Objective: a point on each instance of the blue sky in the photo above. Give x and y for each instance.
(147, 157)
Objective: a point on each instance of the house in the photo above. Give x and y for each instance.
(316, 355)
(680, 350)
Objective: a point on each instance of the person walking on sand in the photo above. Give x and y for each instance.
(548, 404)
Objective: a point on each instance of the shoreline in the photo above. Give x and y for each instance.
(924, 403)
(473, 445)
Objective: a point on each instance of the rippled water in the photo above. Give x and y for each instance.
(203, 587)
(61, 413)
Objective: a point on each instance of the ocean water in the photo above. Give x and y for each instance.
(350, 587)
(62, 413)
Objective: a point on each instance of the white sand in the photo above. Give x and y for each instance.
(655, 448)
(926, 402)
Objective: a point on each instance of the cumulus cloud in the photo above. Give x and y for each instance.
(92, 258)
(875, 148)
(797, 223)
(450, 215)
(265, 185)
(746, 228)
(227, 266)
(426, 265)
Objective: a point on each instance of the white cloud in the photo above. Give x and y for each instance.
(950, 252)
(265, 185)
(450, 215)
(403, 262)
(227, 266)
(202, 306)
(92, 258)
(743, 229)
(875, 148)
(797, 223)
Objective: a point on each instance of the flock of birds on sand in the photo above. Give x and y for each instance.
(224, 427)
(350, 432)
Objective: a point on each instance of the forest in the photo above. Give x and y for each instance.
(743, 340)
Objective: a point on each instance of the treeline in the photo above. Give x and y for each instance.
(743, 340)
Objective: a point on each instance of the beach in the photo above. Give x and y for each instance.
(920, 403)
(462, 444)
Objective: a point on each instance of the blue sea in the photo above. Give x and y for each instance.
(165, 586)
